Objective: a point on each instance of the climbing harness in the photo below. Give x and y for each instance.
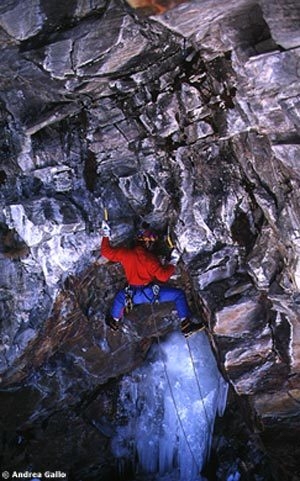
(130, 291)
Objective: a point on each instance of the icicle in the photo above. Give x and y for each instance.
(234, 477)
(170, 404)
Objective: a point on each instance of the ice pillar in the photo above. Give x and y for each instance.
(170, 405)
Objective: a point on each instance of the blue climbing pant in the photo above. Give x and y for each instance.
(145, 294)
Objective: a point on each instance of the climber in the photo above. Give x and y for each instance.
(143, 270)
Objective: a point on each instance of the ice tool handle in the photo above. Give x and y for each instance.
(105, 214)
(169, 240)
(105, 227)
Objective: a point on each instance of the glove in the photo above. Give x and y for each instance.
(105, 229)
(175, 256)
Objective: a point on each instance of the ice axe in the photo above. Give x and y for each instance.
(170, 242)
(104, 226)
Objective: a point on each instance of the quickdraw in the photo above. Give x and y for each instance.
(128, 299)
(155, 290)
(130, 291)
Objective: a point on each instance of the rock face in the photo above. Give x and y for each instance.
(189, 121)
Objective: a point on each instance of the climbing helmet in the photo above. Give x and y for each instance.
(145, 235)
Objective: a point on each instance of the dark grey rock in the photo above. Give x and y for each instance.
(188, 121)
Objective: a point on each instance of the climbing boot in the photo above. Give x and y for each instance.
(113, 323)
(188, 327)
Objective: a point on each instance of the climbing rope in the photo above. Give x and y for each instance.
(209, 424)
(135, 336)
(173, 245)
(172, 393)
(129, 305)
(199, 387)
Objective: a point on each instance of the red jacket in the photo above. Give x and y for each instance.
(141, 266)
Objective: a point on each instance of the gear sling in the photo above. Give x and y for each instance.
(130, 291)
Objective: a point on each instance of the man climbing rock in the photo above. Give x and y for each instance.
(143, 270)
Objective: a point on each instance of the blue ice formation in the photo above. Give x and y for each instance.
(168, 407)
